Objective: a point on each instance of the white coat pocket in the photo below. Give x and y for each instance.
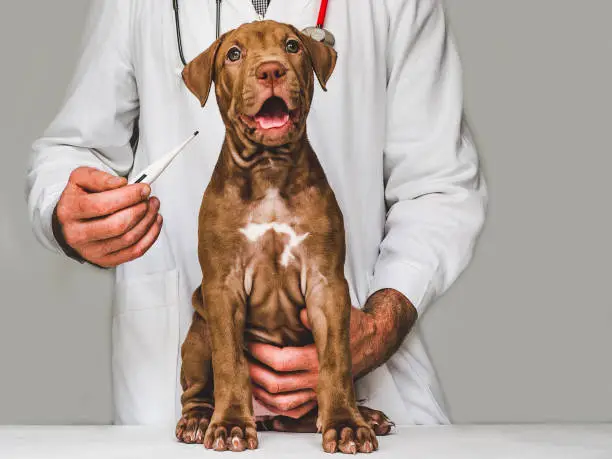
(145, 349)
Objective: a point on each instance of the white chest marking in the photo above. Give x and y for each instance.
(253, 231)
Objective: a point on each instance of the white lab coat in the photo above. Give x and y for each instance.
(389, 133)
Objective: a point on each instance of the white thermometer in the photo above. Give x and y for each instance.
(150, 174)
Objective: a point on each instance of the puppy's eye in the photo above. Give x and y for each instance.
(234, 54)
(292, 46)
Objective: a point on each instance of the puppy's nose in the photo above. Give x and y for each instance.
(270, 72)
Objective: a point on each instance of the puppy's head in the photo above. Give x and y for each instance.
(264, 80)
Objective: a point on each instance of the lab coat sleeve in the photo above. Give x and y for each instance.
(435, 195)
(96, 122)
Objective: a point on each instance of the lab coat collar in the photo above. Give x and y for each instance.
(278, 10)
(198, 18)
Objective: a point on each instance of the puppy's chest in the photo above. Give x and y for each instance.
(273, 233)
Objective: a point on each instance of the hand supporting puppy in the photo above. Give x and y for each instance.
(285, 379)
(101, 220)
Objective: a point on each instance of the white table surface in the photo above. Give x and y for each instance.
(448, 442)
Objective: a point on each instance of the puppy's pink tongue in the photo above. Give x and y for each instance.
(272, 121)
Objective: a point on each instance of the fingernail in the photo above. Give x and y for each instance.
(146, 191)
(155, 203)
(160, 219)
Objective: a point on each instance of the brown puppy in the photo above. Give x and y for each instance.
(271, 242)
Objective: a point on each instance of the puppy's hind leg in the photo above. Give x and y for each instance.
(196, 378)
(377, 420)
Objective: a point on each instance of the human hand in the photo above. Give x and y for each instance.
(285, 379)
(104, 221)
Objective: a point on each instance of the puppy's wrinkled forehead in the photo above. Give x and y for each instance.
(256, 40)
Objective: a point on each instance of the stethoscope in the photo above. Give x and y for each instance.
(318, 32)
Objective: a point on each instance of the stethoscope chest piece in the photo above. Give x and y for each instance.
(320, 34)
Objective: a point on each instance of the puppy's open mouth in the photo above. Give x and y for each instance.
(273, 114)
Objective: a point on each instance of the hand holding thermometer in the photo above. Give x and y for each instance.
(150, 174)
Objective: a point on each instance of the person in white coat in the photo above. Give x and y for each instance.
(390, 134)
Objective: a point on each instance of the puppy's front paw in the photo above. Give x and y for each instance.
(231, 434)
(192, 426)
(348, 434)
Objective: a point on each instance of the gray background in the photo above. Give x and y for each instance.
(524, 335)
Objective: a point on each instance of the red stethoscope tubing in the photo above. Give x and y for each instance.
(322, 13)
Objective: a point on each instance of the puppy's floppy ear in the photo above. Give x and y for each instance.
(199, 74)
(322, 57)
